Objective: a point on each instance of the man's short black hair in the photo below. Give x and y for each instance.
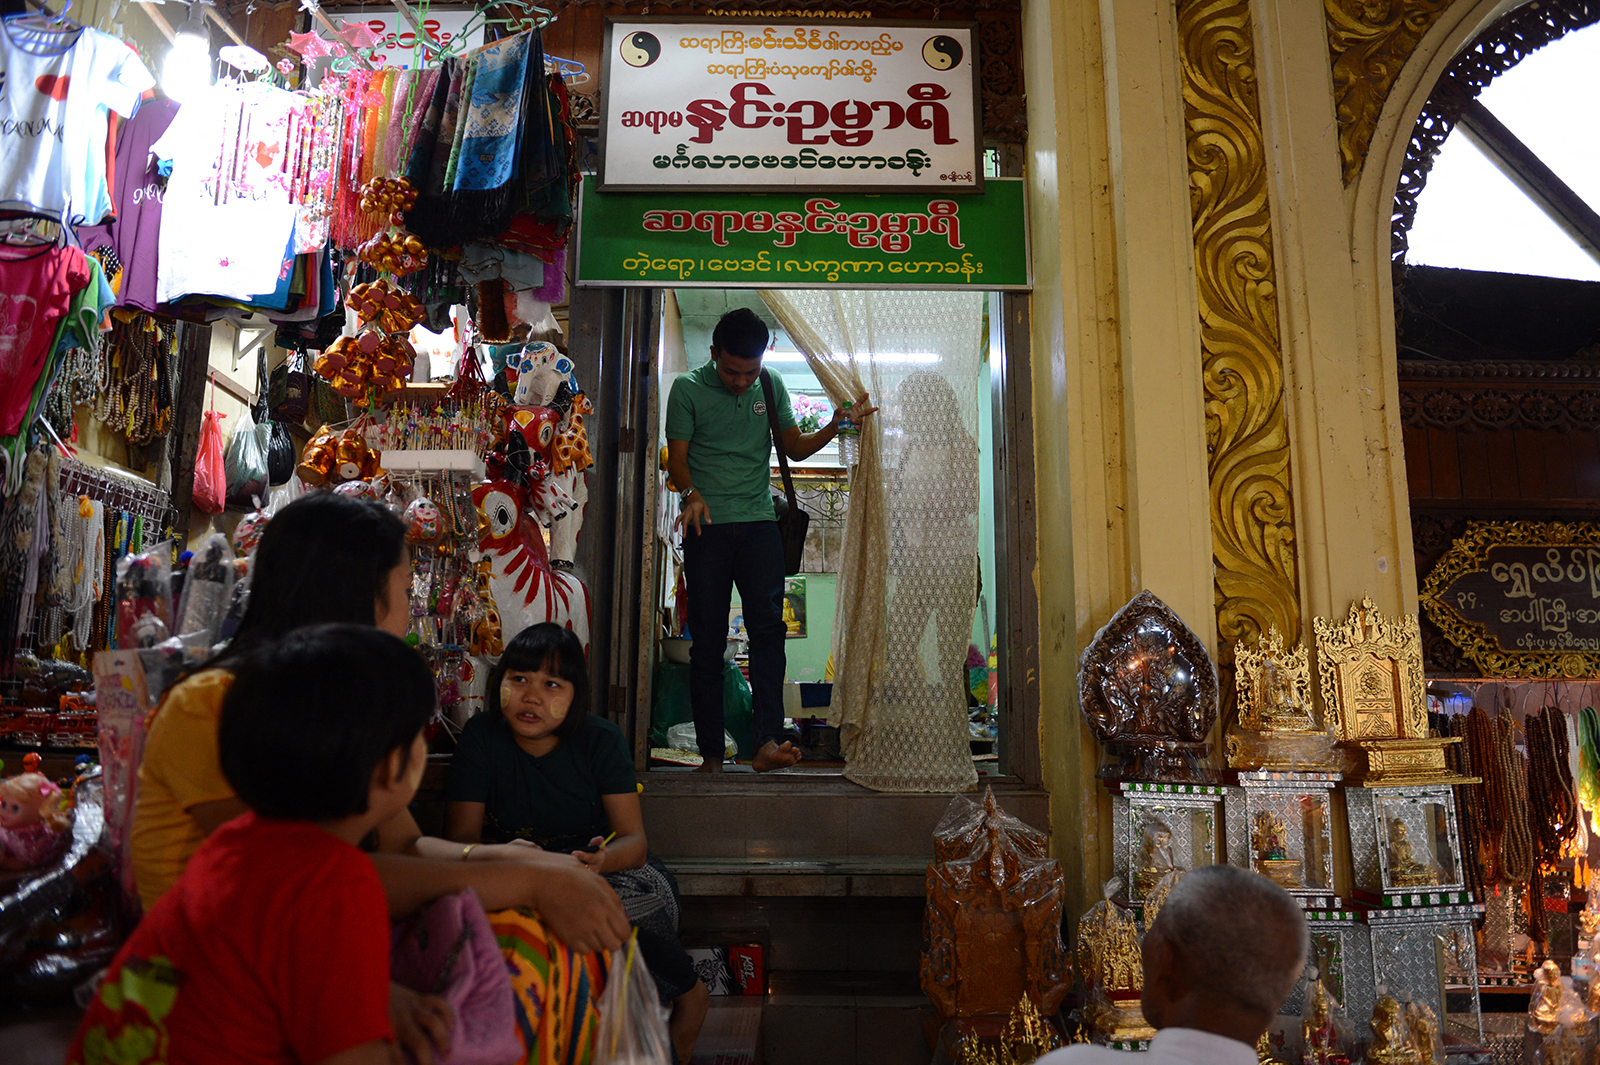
(311, 715)
(740, 333)
(556, 650)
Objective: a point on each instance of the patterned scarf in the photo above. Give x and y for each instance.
(488, 142)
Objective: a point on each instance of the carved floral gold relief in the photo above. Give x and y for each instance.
(1252, 517)
(1368, 42)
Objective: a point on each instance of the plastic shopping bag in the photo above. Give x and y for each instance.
(210, 472)
(633, 1029)
(246, 462)
(280, 452)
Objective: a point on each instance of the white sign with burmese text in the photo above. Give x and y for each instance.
(711, 104)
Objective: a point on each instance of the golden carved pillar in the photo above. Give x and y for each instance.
(1247, 437)
(1368, 42)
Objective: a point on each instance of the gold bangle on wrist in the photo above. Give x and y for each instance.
(466, 851)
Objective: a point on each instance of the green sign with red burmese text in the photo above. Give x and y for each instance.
(805, 239)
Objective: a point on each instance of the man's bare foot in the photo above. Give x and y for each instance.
(772, 756)
(708, 766)
(688, 1014)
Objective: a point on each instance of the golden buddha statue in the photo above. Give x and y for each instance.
(1269, 838)
(1391, 1036)
(1425, 1033)
(1404, 869)
(1155, 856)
(1318, 1031)
(1588, 923)
(1544, 1004)
(1284, 708)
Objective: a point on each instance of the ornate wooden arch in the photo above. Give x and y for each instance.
(1493, 52)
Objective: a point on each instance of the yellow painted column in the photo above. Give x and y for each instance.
(1119, 409)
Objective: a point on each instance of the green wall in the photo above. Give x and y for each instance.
(808, 656)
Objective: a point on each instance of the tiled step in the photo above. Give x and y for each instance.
(845, 1018)
(830, 877)
(772, 818)
(857, 934)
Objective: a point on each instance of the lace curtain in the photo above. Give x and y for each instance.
(908, 575)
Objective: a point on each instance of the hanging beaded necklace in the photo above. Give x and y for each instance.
(86, 565)
(1459, 757)
(1516, 843)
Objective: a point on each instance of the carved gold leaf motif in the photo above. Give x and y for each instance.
(1368, 42)
(1252, 518)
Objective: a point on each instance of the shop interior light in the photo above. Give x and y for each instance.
(187, 72)
(915, 358)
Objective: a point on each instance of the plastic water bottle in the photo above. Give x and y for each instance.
(849, 438)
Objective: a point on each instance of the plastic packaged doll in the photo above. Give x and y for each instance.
(34, 829)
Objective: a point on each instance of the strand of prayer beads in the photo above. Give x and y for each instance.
(1516, 843)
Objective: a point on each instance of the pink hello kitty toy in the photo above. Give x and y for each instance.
(34, 829)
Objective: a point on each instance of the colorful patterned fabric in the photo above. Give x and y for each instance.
(557, 989)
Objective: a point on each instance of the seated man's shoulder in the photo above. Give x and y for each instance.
(1088, 1054)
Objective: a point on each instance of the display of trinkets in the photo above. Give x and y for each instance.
(1337, 983)
(1148, 690)
(1431, 951)
(1405, 845)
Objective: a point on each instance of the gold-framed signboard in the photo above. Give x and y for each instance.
(1521, 598)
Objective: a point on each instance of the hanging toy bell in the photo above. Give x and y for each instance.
(318, 460)
(354, 457)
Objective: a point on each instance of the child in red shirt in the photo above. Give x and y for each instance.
(273, 947)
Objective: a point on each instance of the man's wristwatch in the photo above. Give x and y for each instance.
(683, 496)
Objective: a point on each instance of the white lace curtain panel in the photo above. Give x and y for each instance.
(908, 574)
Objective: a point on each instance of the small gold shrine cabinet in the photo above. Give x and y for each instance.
(1372, 686)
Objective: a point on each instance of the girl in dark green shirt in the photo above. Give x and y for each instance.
(536, 769)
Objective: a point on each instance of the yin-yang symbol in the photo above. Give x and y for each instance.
(942, 53)
(642, 49)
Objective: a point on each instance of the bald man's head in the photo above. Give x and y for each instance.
(1228, 944)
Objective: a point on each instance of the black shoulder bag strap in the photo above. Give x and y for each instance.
(777, 442)
(793, 523)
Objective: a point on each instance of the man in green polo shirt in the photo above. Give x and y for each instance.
(719, 450)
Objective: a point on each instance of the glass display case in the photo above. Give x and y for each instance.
(1405, 845)
(1280, 824)
(1157, 828)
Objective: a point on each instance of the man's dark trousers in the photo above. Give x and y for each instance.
(748, 554)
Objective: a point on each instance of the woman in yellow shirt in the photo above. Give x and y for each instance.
(327, 558)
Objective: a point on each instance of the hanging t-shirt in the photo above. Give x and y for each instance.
(56, 91)
(135, 233)
(227, 214)
(36, 289)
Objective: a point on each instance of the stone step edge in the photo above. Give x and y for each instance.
(844, 865)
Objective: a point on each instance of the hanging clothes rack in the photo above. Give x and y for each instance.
(116, 491)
